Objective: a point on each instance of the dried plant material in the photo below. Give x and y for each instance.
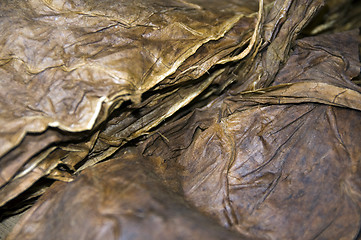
(82, 58)
(125, 127)
(286, 166)
(237, 122)
(7, 225)
(173, 92)
(334, 56)
(68, 65)
(46, 164)
(124, 198)
(285, 171)
(280, 36)
(32, 144)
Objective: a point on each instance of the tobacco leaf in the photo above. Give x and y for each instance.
(32, 144)
(124, 198)
(63, 63)
(335, 56)
(83, 60)
(46, 163)
(275, 162)
(125, 127)
(278, 171)
(256, 162)
(166, 98)
(292, 17)
(280, 162)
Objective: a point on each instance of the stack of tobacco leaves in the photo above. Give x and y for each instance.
(66, 66)
(214, 120)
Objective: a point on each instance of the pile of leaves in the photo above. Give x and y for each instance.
(237, 120)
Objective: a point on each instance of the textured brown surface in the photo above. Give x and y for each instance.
(69, 64)
(257, 163)
(247, 131)
(81, 57)
(125, 198)
(286, 171)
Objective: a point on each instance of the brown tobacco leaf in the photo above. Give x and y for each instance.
(328, 58)
(125, 127)
(280, 33)
(69, 64)
(164, 99)
(32, 144)
(66, 63)
(281, 162)
(71, 154)
(124, 198)
(186, 83)
(160, 105)
(44, 164)
(286, 171)
(320, 70)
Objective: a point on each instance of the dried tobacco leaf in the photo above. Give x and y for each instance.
(261, 72)
(248, 158)
(45, 164)
(7, 225)
(124, 198)
(163, 101)
(74, 71)
(63, 63)
(125, 127)
(280, 171)
(285, 171)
